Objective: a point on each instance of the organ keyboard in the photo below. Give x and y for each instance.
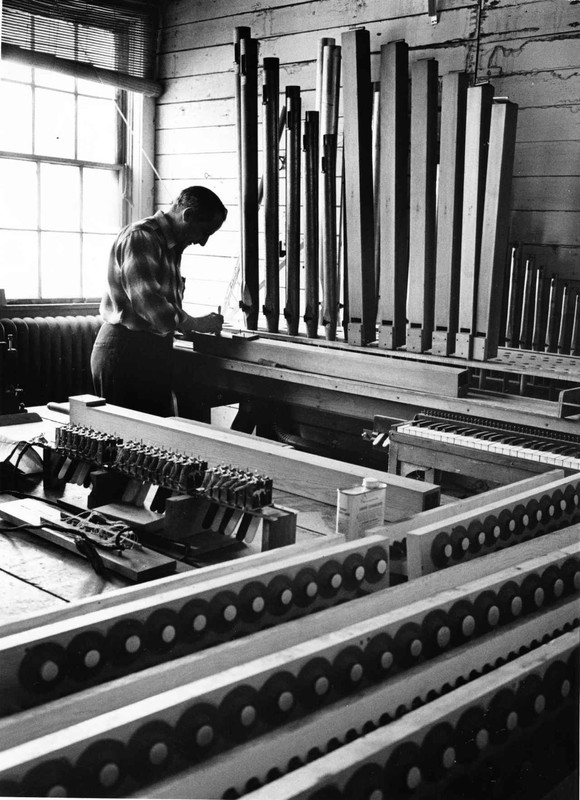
(438, 439)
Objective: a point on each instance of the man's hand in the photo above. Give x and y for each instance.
(211, 323)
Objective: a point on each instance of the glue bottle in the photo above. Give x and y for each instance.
(360, 508)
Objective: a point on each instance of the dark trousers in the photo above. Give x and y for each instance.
(133, 369)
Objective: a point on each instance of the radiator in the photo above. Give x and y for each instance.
(53, 355)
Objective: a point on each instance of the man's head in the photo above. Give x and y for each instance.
(197, 214)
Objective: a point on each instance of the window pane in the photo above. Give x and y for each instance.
(97, 130)
(101, 210)
(54, 123)
(96, 88)
(96, 248)
(18, 194)
(54, 80)
(19, 263)
(60, 258)
(60, 197)
(13, 70)
(16, 127)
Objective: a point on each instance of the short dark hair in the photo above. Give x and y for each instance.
(206, 203)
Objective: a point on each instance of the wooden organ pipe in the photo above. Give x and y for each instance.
(527, 310)
(293, 171)
(479, 101)
(423, 180)
(495, 229)
(311, 280)
(575, 335)
(563, 341)
(328, 110)
(551, 324)
(248, 78)
(538, 332)
(271, 103)
(449, 205)
(239, 34)
(376, 145)
(513, 304)
(357, 149)
(393, 192)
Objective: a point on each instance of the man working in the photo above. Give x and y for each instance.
(142, 307)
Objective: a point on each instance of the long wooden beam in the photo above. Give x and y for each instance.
(396, 372)
(423, 180)
(495, 229)
(302, 473)
(358, 175)
(449, 205)
(393, 193)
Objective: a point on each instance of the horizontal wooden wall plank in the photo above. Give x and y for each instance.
(557, 87)
(541, 193)
(196, 140)
(559, 260)
(525, 19)
(181, 12)
(514, 56)
(547, 227)
(542, 158)
(326, 19)
(549, 124)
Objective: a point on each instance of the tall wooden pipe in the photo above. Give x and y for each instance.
(311, 270)
(271, 103)
(248, 72)
(293, 171)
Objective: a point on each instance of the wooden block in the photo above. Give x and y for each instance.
(423, 181)
(495, 229)
(136, 565)
(479, 101)
(393, 193)
(449, 205)
(359, 219)
(278, 527)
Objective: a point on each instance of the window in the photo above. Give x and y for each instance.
(62, 176)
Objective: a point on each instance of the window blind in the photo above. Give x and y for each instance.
(119, 37)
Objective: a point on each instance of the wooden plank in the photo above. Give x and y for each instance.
(301, 473)
(422, 225)
(549, 89)
(548, 124)
(26, 599)
(546, 194)
(532, 54)
(135, 565)
(547, 159)
(558, 228)
(495, 228)
(449, 206)
(359, 212)
(214, 9)
(398, 372)
(479, 101)
(531, 17)
(393, 193)
(338, 771)
(289, 20)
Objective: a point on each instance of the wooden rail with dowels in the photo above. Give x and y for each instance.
(363, 662)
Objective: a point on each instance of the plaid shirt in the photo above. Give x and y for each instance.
(145, 289)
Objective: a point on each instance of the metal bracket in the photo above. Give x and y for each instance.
(432, 10)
